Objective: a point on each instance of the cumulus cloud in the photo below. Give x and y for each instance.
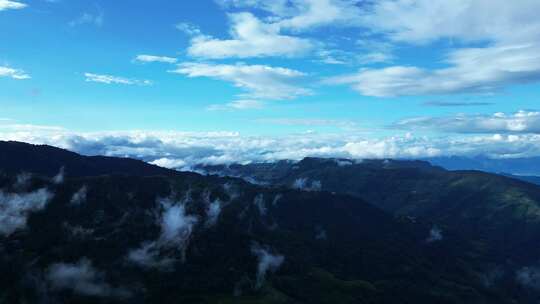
(509, 31)
(13, 73)
(302, 15)
(109, 79)
(16, 207)
(176, 229)
(471, 70)
(268, 262)
(153, 58)
(519, 122)
(243, 104)
(250, 37)
(423, 21)
(259, 81)
(7, 4)
(83, 279)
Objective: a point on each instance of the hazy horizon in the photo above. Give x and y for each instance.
(250, 80)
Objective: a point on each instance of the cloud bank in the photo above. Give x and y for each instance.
(183, 150)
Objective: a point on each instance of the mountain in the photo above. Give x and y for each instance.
(149, 235)
(515, 166)
(16, 157)
(530, 179)
(498, 212)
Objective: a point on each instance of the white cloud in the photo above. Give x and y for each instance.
(435, 235)
(176, 229)
(250, 38)
(109, 79)
(7, 4)
(83, 279)
(184, 150)
(13, 73)
(423, 21)
(213, 210)
(519, 122)
(259, 81)
(306, 184)
(472, 70)
(152, 58)
(314, 13)
(87, 18)
(80, 196)
(16, 207)
(510, 32)
(243, 104)
(267, 262)
(301, 15)
(59, 178)
(188, 28)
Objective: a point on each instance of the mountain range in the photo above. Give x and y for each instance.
(78, 229)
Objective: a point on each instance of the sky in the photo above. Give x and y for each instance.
(220, 81)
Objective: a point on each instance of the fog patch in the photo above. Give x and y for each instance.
(276, 199)
(306, 185)
(148, 256)
(529, 277)
(16, 207)
(176, 229)
(258, 201)
(78, 232)
(435, 235)
(22, 181)
(59, 178)
(213, 210)
(267, 262)
(343, 162)
(490, 278)
(83, 279)
(231, 190)
(320, 234)
(79, 197)
(253, 180)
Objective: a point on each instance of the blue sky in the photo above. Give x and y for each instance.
(348, 71)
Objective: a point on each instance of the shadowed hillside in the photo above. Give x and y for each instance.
(18, 157)
(188, 238)
(499, 212)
